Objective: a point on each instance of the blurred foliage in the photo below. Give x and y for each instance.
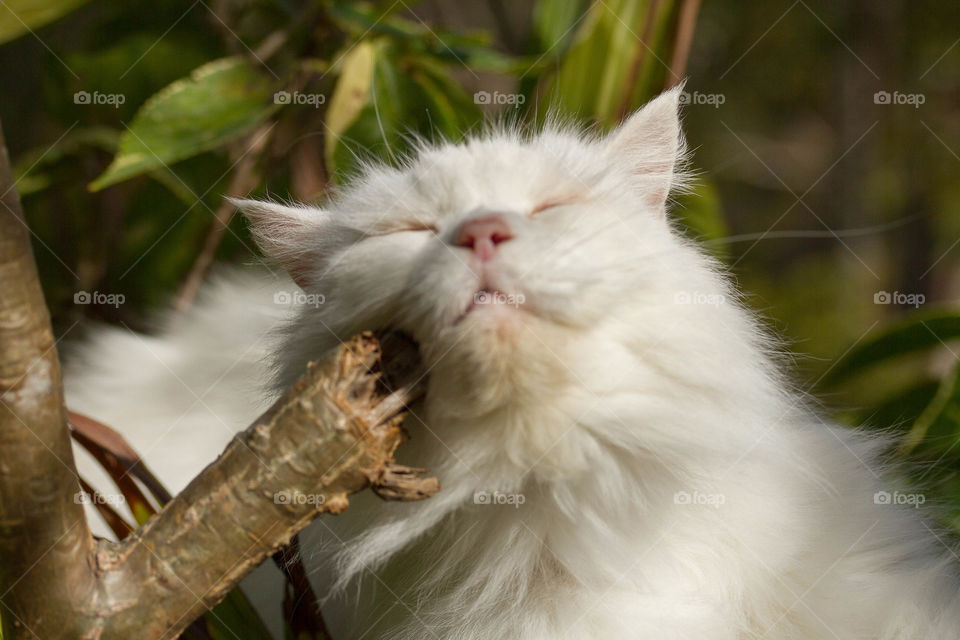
(128, 121)
(146, 112)
(912, 390)
(598, 66)
(31, 14)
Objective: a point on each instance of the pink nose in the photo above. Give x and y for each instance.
(483, 234)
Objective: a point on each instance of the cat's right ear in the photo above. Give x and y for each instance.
(286, 234)
(650, 144)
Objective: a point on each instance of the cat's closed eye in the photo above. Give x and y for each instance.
(407, 227)
(552, 204)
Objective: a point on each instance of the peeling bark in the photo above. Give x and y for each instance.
(302, 458)
(332, 434)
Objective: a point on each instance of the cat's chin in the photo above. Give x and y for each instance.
(492, 307)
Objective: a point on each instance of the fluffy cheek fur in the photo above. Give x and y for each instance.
(361, 287)
(577, 277)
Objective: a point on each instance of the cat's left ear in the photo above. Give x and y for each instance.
(288, 235)
(650, 144)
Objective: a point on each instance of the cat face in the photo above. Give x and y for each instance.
(490, 252)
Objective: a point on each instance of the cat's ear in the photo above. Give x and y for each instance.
(286, 234)
(650, 144)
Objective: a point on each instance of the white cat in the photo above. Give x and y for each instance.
(619, 454)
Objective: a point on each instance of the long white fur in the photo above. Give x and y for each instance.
(674, 485)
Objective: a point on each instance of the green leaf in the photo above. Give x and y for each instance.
(450, 110)
(472, 50)
(30, 169)
(483, 59)
(109, 69)
(360, 18)
(553, 24)
(918, 332)
(217, 103)
(391, 111)
(600, 69)
(350, 95)
(17, 17)
(382, 95)
(938, 427)
(898, 412)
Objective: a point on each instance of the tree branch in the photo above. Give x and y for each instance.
(39, 518)
(243, 180)
(326, 438)
(332, 434)
(686, 24)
